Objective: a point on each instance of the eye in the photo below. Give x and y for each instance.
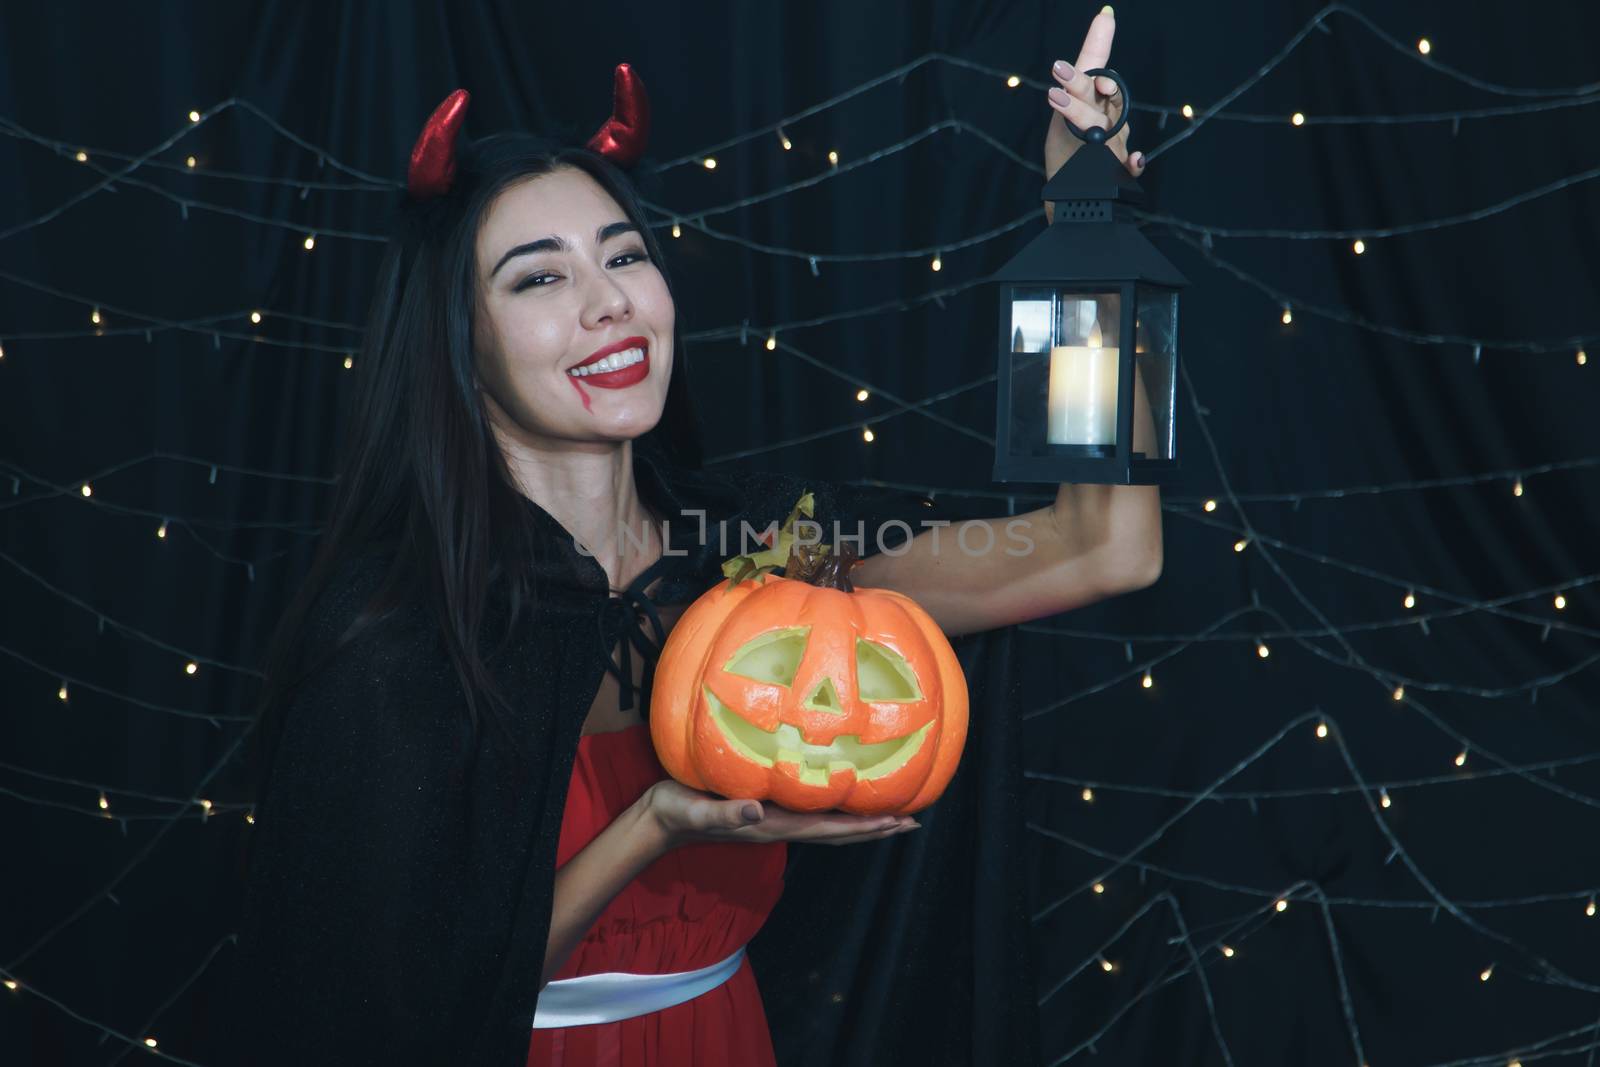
(882, 674)
(536, 281)
(772, 657)
(631, 257)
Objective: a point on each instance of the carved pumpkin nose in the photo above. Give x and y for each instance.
(825, 698)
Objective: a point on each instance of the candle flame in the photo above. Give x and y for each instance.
(1094, 335)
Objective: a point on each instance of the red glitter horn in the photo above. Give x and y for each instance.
(622, 138)
(433, 158)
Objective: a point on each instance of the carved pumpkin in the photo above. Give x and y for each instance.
(808, 692)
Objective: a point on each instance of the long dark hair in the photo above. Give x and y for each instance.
(420, 472)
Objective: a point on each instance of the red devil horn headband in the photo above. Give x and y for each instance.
(621, 139)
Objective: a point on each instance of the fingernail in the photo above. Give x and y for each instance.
(752, 813)
(1059, 95)
(1063, 68)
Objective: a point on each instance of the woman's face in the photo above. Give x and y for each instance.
(564, 276)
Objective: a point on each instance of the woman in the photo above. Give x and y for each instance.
(462, 835)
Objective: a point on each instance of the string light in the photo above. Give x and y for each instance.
(1516, 490)
(1148, 682)
(1088, 795)
(710, 163)
(1360, 247)
(867, 435)
(1411, 600)
(189, 161)
(1589, 909)
(1561, 602)
(2, 351)
(1322, 731)
(61, 694)
(1399, 692)
(772, 342)
(86, 491)
(150, 1041)
(1261, 649)
(1487, 973)
(1211, 505)
(1188, 111)
(1099, 887)
(190, 667)
(82, 156)
(94, 316)
(161, 531)
(1461, 758)
(1298, 118)
(833, 157)
(105, 805)
(937, 264)
(1013, 81)
(677, 231)
(1227, 951)
(205, 808)
(862, 394)
(349, 361)
(1281, 905)
(250, 817)
(310, 241)
(194, 116)
(1383, 797)
(1583, 357)
(1287, 317)
(1238, 546)
(11, 985)
(1424, 46)
(783, 139)
(1106, 965)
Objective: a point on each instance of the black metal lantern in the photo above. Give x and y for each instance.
(1089, 334)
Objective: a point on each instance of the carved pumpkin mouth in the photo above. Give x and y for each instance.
(817, 764)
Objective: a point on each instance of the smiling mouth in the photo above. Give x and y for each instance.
(817, 764)
(614, 362)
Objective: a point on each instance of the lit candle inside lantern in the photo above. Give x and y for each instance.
(1083, 393)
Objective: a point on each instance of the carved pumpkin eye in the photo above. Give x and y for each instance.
(882, 674)
(773, 657)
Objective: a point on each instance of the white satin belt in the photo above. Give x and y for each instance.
(614, 995)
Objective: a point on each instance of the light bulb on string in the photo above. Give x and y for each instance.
(862, 394)
(1227, 951)
(194, 116)
(1411, 600)
(61, 694)
(1282, 905)
(1424, 46)
(772, 342)
(867, 435)
(255, 317)
(1516, 489)
(82, 156)
(1487, 973)
(833, 157)
(1100, 887)
(1560, 602)
(1238, 546)
(677, 231)
(1589, 908)
(150, 1041)
(1211, 505)
(1287, 317)
(1106, 965)
(349, 361)
(937, 264)
(709, 163)
(1013, 81)
(1383, 797)
(1298, 118)
(86, 491)
(1461, 758)
(11, 985)
(1188, 111)
(1088, 795)
(190, 162)
(1360, 247)
(783, 139)
(310, 241)
(190, 667)
(1148, 682)
(250, 817)
(1322, 731)
(94, 316)
(1583, 357)
(1399, 692)
(105, 805)
(1261, 649)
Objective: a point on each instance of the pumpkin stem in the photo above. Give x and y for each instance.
(816, 565)
(769, 559)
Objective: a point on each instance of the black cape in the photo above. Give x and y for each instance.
(396, 912)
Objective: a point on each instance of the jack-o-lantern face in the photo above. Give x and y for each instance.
(813, 697)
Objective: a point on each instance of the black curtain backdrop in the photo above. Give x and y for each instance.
(981, 940)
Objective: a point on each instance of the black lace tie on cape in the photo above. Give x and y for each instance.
(623, 617)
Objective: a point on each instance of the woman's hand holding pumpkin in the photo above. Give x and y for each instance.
(686, 815)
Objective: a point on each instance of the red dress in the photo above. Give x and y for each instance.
(689, 909)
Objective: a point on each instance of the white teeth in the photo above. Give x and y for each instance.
(615, 361)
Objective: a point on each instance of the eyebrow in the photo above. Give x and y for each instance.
(557, 244)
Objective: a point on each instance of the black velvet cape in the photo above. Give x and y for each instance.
(397, 908)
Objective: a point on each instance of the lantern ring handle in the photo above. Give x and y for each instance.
(1094, 134)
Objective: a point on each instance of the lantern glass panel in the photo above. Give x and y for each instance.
(1155, 358)
(1064, 369)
